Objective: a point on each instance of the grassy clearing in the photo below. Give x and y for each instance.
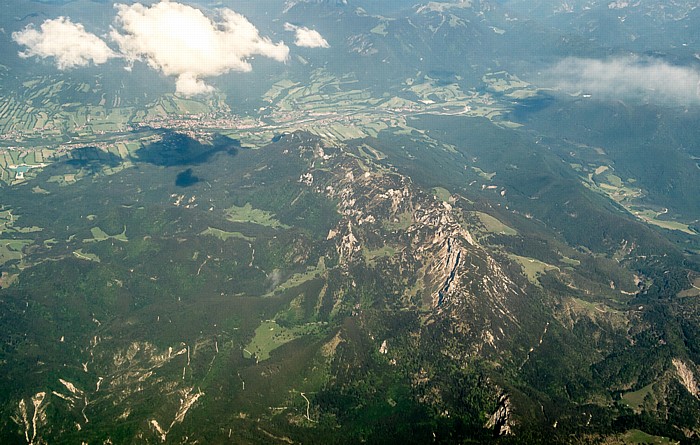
(371, 153)
(64, 180)
(31, 229)
(6, 220)
(650, 217)
(602, 169)
(483, 174)
(533, 268)
(635, 399)
(598, 311)
(380, 29)
(270, 336)
(301, 278)
(11, 250)
(614, 187)
(442, 194)
(224, 235)
(41, 191)
(100, 235)
(637, 436)
(694, 290)
(570, 261)
(605, 182)
(493, 225)
(372, 255)
(86, 256)
(247, 214)
(7, 279)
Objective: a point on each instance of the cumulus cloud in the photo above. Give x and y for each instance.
(306, 37)
(181, 41)
(175, 39)
(65, 41)
(637, 78)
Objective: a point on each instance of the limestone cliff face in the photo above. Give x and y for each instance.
(419, 241)
(686, 377)
(501, 420)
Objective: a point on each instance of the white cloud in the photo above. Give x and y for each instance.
(636, 78)
(65, 41)
(306, 37)
(189, 85)
(176, 39)
(181, 41)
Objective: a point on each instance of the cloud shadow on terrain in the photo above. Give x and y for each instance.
(92, 159)
(177, 149)
(186, 178)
